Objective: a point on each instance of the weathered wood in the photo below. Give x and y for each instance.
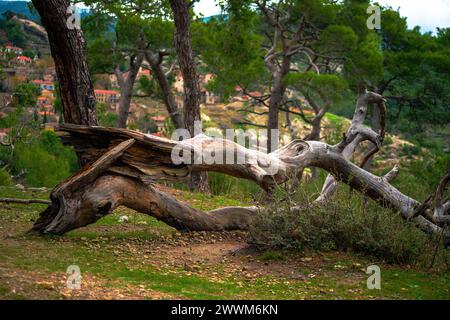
(356, 134)
(125, 165)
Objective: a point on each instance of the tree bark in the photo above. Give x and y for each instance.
(276, 98)
(187, 63)
(68, 51)
(126, 88)
(183, 46)
(139, 160)
(155, 61)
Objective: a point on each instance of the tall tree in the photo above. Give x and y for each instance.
(415, 74)
(307, 38)
(120, 37)
(68, 50)
(186, 61)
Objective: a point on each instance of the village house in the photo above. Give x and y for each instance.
(159, 121)
(9, 48)
(23, 60)
(49, 77)
(110, 97)
(45, 85)
(42, 101)
(48, 94)
(207, 97)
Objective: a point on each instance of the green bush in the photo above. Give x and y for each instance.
(44, 161)
(340, 225)
(5, 178)
(221, 184)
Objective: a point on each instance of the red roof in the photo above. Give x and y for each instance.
(42, 98)
(23, 58)
(146, 72)
(158, 118)
(42, 82)
(111, 92)
(255, 94)
(9, 46)
(48, 106)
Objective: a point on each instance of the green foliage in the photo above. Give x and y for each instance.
(146, 124)
(365, 66)
(325, 87)
(13, 31)
(231, 49)
(43, 161)
(416, 68)
(271, 255)
(343, 225)
(221, 184)
(5, 178)
(25, 95)
(105, 117)
(337, 38)
(149, 87)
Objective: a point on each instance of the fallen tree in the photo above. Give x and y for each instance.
(124, 167)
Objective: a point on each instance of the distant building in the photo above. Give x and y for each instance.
(23, 60)
(107, 96)
(42, 101)
(45, 85)
(207, 97)
(49, 77)
(12, 49)
(159, 121)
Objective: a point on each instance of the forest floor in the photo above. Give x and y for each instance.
(145, 259)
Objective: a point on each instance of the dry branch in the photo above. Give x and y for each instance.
(125, 164)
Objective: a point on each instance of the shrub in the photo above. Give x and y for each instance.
(342, 225)
(44, 161)
(5, 178)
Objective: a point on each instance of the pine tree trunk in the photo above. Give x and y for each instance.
(126, 90)
(183, 46)
(68, 51)
(276, 98)
(168, 98)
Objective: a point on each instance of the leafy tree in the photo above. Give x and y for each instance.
(261, 43)
(415, 78)
(106, 118)
(13, 29)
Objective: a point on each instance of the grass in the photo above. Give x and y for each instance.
(129, 255)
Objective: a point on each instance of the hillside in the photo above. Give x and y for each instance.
(19, 7)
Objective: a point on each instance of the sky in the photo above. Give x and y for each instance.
(428, 14)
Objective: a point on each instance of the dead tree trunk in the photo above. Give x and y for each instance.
(126, 160)
(183, 46)
(68, 51)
